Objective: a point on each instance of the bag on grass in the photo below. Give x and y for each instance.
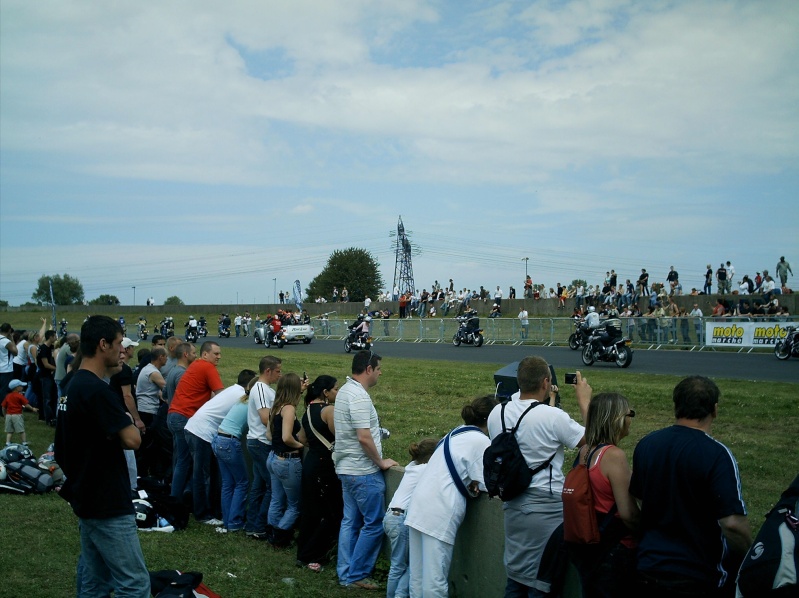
(505, 469)
(174, 510)
(28, 472)
(174, 584)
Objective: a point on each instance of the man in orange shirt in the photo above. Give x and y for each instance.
(199, 383)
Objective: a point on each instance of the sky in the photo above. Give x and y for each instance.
(220, 151)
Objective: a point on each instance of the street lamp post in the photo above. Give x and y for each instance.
(525, 260)
(274, 291)
(134, 295)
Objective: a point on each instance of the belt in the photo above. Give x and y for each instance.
(288, 455)
(397, 511)
(227, 435)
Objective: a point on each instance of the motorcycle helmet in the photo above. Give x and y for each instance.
(191, 317)
(368, 318)
(145, 514)
(591, 309)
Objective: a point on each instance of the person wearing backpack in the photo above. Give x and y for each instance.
(532, 516)
(606, 567)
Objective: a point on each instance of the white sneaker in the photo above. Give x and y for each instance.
(221, 530)
(214, 522)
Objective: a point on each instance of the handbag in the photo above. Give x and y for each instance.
(331, 446)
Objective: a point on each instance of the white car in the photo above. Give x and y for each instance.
(292, 332)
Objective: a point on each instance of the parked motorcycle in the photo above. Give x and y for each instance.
(789, 346)
(468, 331)
(579, 338)
(615, 349)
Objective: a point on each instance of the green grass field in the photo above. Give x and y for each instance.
(758, 421)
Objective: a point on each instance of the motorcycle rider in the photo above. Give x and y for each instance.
(599, 336)
(191, 326)
(202, 325)
(62, 329)
(361, 331)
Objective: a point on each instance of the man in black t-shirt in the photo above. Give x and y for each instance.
(45, 372)
(91, 432)
(122, 385)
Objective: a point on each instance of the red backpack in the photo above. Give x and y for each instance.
(580, 524)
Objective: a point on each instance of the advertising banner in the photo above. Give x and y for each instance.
(745, 334)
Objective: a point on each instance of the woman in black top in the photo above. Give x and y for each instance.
(322, 505)
(285, 460)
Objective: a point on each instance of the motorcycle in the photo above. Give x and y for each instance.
(579, 338)
(359, 342)
(62, 328)
(468, 334)
(143, 331)
(789, 346)
(202, 330)
(191, 334)
(616, 349)
(224, 331)
(275, 339)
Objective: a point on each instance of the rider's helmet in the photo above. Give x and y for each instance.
(191, 317)
(591, 309)
(368, 318)
(169, 319)
(146, 517)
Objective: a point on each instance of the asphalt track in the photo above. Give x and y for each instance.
(714, 364)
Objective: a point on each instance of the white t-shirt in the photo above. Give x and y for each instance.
(523, 317)
(545, 430)
(6, 365)
(437, 507)
(147, 397)
(261, 397)
(205, 422)
(354, 410)
(402, 496)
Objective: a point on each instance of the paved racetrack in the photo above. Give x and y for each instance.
(715, 364)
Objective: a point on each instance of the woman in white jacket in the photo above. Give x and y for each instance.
(438, 503)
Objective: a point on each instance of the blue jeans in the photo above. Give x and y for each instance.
(234, 480)
(181, 456)
(398, 583)
(111, 559)
(284, 508)
(361, 532)
(261, 488)
(200, 476)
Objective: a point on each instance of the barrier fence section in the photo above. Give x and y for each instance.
(691, 332)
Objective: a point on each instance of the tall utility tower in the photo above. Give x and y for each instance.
(403, 268)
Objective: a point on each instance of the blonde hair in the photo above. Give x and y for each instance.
(605, 420)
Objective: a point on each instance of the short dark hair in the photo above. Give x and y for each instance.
(157, 353)
(182, 350)
(531, 373)
(268, 362)
(245, 376)
(476, 413)
(6, 328)
(363, 359)
(695, 397)
(157, 338)
(206, 346)
(95, 329)
(49, 334)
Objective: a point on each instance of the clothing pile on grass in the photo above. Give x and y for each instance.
(156, 510)
(21, 473)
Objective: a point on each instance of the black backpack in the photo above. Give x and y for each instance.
(770, 566)
(505, 469)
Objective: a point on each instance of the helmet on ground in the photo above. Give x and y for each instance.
(145, 514)
(591, 309)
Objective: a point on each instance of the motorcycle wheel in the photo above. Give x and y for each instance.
(347, 345)
(588, 355)
(573, 344)
(624, 357)
(456, 340)
(281, 343)
(781, 351)
(257, 340)
(478, 340)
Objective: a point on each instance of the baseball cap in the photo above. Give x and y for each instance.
(126, 342)
(16, 384)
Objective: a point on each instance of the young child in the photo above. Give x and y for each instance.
(394, 520)
(13, 405)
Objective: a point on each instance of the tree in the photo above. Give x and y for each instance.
(105, 300)
(3, 303)
(353, 268)
(579, 281)
(67, 290)
(173, 300)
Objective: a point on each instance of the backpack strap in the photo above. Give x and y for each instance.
(451, 464)
(545, 464)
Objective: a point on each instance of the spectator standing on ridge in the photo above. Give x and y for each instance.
(360, 465)
(783, 268)
(708, 280)
(722, 279)
(694, 528)
(498, 297)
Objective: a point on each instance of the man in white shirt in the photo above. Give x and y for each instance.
(360, 464)
(525, 322)
(697, 313)
(262, 397)
(498, 297)
(531, 517)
